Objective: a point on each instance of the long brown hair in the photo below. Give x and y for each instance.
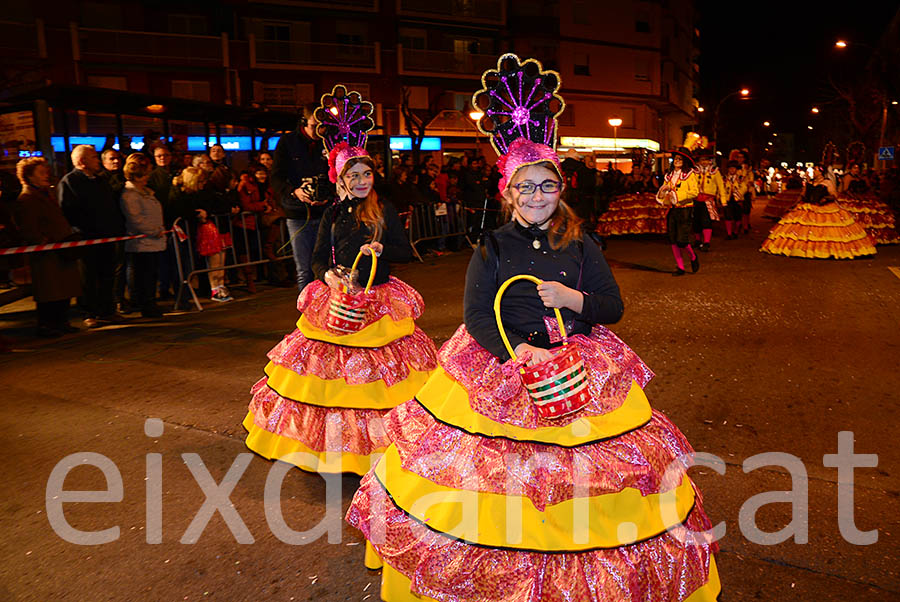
(371, 211)
(565, 226)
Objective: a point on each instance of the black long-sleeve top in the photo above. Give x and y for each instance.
(90, 205)
(522, 310)
(339, 228)
(296, 158)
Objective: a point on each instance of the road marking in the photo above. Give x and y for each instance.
(896, 271)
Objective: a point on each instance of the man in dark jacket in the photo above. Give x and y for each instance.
(581, 183)
(300, 181)
(90, 206)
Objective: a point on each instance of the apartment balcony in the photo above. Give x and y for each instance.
(438, 63)
(470, 11)
(369, 6)
(148, 48)
(22, 41)
(314, 56)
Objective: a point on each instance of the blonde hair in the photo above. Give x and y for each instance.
(136, 167)
(565, 226)
(371, 211)
(26, 168)
(192, 179)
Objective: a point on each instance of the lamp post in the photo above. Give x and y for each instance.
(744, 93)
(615, 122)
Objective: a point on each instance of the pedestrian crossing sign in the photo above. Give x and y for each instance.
(886, 153)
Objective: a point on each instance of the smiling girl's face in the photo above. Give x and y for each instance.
(358, 180)
(537, 206)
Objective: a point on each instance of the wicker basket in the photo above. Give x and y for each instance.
(346, 312)
(558, 386)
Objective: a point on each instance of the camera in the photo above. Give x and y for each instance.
(319, 188)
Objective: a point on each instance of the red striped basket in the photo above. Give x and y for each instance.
(558, 386)
(346, 312)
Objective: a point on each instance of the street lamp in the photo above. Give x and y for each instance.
(701, 109)
(743, 92)
(841, 44)
(815, 110)
(766, 123)
(476, 115)
(615, 122)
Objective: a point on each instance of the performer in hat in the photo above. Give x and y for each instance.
(679, 190)
(735, 189)
(711, 197)
(356, 352)
(531, 466)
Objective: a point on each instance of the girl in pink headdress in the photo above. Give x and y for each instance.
(356, 352)
(531, 467)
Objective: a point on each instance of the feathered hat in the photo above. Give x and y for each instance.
(520, 106)
(344, 120)
(686, 150)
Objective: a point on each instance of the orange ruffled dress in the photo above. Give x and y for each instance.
(321, 404)
(815, 231)
(638, 213)
(781, 203)
(874, 215)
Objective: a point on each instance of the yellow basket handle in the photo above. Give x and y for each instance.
(499, 296)
(371, 272)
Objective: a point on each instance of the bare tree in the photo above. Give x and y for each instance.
(417, 120)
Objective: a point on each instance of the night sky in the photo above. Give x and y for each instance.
(783, 51)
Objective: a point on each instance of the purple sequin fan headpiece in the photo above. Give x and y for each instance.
(344, 117)
(520, 105)
(519, 100)
(344, 120)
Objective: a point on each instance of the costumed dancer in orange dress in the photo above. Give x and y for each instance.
(356, 352)
(531, 467)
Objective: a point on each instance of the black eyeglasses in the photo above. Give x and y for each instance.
(547, 187)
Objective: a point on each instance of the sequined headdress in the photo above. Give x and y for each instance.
(520, 106)
(344, 120)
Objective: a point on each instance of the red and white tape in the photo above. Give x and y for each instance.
(78, 243)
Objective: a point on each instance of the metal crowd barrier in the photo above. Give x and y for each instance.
(187, 267)
(425, 224)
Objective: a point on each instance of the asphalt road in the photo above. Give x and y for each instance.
(753, 354)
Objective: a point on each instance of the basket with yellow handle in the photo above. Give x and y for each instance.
(346, 312)
(558, 386)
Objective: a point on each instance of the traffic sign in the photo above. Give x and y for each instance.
(886, 153)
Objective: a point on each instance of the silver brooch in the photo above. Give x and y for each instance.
(536, 243)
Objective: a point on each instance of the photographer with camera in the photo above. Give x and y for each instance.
(300, 180)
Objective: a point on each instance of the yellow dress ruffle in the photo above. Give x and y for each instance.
(818, 232)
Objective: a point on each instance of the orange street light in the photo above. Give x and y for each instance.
(809, 127)
(476, 115)
(815, 109)
(745, 92)
(615, 122)
(840, 44)
(766, 123)
(701, 109)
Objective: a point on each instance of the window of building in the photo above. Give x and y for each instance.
(275, 31)
(190, 24)
(642, 20)
(582, 65)
(642, 70)
(113, 82)
(194, 90)
(279, 95)
(413, 38)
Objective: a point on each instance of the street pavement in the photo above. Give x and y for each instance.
(753, 354)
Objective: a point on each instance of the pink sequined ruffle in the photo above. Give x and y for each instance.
(660, 569)
(394, 298)
(453, 458)
(496, 390)
(356, 365)
(358, 432)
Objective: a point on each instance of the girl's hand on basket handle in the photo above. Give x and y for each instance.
(537, 354)
(558, 295)
(373, 247)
